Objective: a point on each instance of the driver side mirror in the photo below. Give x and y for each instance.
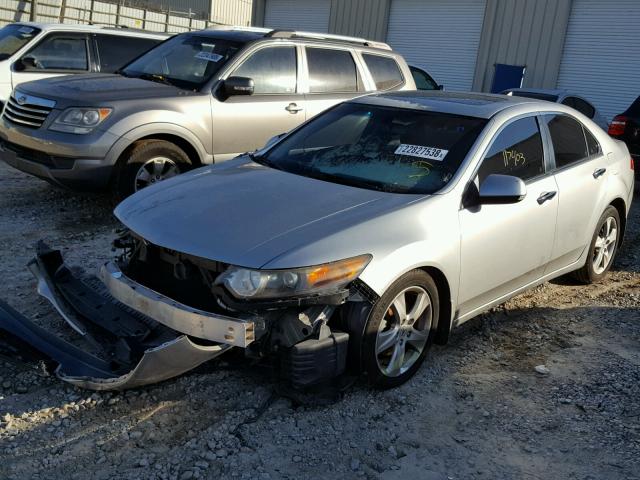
(441, 87)
(501, 189)
(25, 63)
(238, 86)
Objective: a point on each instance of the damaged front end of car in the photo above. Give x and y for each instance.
(153, 313)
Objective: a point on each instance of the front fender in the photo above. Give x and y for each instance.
(151, 129)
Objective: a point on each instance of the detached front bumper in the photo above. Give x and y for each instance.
(128, 349)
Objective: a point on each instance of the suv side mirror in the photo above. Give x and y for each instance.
(500, 189)
(440, 87)
(238, 86)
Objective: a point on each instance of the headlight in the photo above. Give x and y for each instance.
(247, 283)
(79, 120)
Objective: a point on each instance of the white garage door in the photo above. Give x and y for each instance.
(439, 36)
(601, 57)
(306, 15)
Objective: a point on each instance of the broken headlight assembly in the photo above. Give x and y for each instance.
(79, 120)
(246, 283)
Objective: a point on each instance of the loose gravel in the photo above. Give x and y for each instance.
(546, 386)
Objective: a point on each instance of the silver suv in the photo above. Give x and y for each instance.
(197, 98)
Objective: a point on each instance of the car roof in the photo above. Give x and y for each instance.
(93, 28)
(481, 105)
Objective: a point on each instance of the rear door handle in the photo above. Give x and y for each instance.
(599, 172)
(544, 196)
(293, 108)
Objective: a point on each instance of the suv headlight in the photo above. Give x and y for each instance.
(79, 120)
(247, 283)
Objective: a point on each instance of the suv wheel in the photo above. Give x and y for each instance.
(400, 330)
(150, 162)
(602, 249)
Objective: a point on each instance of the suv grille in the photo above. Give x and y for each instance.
(27, 110)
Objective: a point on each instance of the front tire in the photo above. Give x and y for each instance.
(149, 162)
(400, 330)
(602, 249)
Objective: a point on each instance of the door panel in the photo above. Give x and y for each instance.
(504, 247)
(245, 122)
(581, 189)
(56, 54)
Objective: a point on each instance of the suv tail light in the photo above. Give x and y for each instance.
(632, 164)
(618, 125)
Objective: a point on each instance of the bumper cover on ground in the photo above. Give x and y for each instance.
(131, 350)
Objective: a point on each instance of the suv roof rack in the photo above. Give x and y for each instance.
(326, 36)
(239, 28)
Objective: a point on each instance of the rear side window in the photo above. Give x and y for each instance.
(115, 51)
(517, 151)
(583, 107)
(423, 79)
(593, 147)
(384, 70)
(567, 136)
(273, 70)
(60, 53)
(331, 71)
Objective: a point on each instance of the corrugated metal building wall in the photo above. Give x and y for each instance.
(523, 32)
(360, 18)
(231, 12)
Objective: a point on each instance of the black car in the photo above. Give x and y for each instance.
(626, 127)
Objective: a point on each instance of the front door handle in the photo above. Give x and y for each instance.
(599, 172)
(293, 108)
(544, 196)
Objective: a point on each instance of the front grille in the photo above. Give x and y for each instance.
(27, 110)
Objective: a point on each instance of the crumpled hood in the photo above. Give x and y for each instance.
(96, 89)
(247, 214)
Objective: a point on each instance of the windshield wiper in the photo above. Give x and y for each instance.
(152, 77)
(261, 160)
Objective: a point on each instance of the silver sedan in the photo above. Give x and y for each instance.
(369, 232)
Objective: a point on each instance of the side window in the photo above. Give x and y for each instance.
(331, 71)
(273, 70)
(60, 53)
(115, 51)
(423, 79)
(584, 107)
(384, 70)
(592, 144)
(567, 136)
(517, 151)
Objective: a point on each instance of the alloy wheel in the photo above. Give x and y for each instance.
(404, 331)
(155, 170)
(605, 245)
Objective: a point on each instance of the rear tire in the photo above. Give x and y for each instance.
(400, 330)
(602, 249)
(149, 162)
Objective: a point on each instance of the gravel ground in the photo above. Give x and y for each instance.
(481, 407)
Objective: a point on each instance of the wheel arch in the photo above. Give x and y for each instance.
(444, 296)
(620, 205)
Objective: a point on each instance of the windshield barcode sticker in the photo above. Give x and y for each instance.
(430, 153)
(208, 56)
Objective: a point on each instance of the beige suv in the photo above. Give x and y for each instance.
(197, 98)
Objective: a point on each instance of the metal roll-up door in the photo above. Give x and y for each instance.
(601, 56)
(439, 36)
(304, 15)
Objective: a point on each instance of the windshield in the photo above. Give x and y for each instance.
(14, 37)
(186, 61)
(379, 148)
